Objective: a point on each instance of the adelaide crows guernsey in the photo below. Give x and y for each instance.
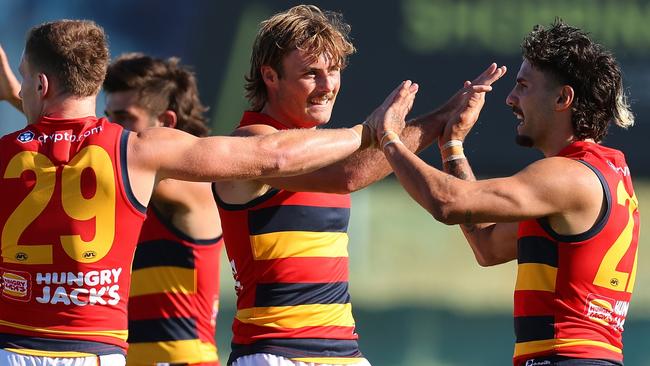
(288, 252)
(573, 292)
(69, 227)
(174, 296)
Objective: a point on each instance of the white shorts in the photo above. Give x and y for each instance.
(265, 359)
(16, 359)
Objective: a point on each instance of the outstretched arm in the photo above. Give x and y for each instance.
(369, 165)
(9, 85)
(160, 153)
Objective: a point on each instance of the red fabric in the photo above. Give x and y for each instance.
(58, 142)
(572, 304)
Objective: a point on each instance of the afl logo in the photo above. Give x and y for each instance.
(89, 254)
(20, 256)
(26, 136)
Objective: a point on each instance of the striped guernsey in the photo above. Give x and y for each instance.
(289, 256)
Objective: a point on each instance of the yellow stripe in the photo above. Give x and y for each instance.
(120, 334)
(287, 244)
(298, 316)
(330, 360)
(156, 280)
(526, 348)
(186, 351)
(536, 276)
(41, 353)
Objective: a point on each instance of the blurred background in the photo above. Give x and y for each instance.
(419, 297)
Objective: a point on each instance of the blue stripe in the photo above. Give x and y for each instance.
(291, 294)
(298, 348)
(124, 143)
(534, 328)
(161, 330)
(298, 218)
(537, 249)
(157, 253)
(58, 345)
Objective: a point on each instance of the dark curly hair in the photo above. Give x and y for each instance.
(567, 53)
(161, 85)
(303, 27)
(74, 52)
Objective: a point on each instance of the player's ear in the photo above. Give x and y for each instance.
(564, 99)
(168, 118)
(269, 75)
(43, 85)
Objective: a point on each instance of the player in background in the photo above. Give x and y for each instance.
(76, 190)
(570, 219)
(174, 297)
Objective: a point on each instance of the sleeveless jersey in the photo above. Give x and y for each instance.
(288, 253)
(70, 224)
(174, 296)
(573, 291)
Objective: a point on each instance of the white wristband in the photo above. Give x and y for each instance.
(451, 143)
(454, 157)
(396, 141)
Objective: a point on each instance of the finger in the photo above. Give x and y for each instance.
(481, 88)
(394, 94)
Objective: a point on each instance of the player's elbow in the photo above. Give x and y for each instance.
(486, 259)
(447, 211)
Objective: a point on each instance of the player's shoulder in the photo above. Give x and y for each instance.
(254, 130)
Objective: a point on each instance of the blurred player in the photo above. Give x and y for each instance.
(174, 294)
(287, 238)
(76, 188)
(570, 219)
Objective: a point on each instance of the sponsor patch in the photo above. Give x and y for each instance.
(26, 136)
(16, 285)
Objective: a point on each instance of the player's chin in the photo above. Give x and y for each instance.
(320, 117)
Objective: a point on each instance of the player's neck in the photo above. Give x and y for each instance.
(277, 114)
(71, 107)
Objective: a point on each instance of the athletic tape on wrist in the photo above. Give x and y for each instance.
(453, 157)
(390, 135)
(451, 143)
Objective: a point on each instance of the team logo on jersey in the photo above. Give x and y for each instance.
(16, 285)
(20, 256)
(26, 136)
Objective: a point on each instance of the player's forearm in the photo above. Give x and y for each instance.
(435, 191)
(477, 235)
(301, 151)
(9, 85)
(481, 241)
(368, 166)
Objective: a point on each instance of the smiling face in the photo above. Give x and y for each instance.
(532, 101)
(302, 95)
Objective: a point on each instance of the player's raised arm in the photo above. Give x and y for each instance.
(9, 85)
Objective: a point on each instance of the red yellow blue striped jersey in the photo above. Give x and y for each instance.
(573, 291)
(174, 296)
(289, 256)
